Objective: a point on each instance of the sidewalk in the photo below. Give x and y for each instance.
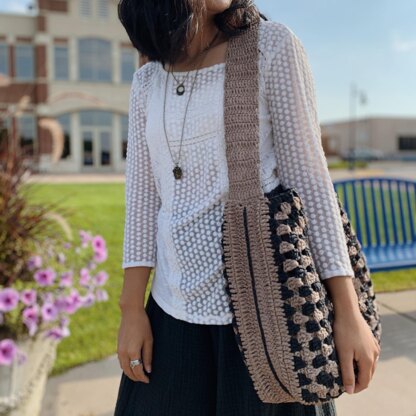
(91, 390)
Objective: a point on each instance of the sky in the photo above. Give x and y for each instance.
(370, 43)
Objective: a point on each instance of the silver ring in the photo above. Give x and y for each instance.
(133, 363)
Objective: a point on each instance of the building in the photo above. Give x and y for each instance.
(72, 61)
(394, 136)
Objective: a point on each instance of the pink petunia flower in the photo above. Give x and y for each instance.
(100, 278)
(60, 303)
(64, 321)
(32, 327)
(101, 295)
(49, 312)
(92, 265)
(88, 300)
(66, 279)
(45, 277)
(98, 243)
(100, 256)
(85, 238)
(9, 298)
(57, 332)
(34, 262)
(28, 296)
(73, 302)
(8, 351)
(30, 314)
(84, 277)
(48, 297)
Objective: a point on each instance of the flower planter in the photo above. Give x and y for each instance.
(22, 386)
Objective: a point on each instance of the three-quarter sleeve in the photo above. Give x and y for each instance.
(301, 162)
(141, 196)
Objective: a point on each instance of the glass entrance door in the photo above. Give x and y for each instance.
(88, 148)
(96, 148)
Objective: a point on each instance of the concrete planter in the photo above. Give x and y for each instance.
(22, 386)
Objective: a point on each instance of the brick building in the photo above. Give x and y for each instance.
(72, 61)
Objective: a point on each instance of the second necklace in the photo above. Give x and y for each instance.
(177, 170)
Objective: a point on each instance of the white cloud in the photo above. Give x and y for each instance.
(403, 45)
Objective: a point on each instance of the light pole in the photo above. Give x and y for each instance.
(357, 96)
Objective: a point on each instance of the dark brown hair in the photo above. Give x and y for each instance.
(159, 29)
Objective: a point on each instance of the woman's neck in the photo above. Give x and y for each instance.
(189, 60)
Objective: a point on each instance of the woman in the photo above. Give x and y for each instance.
(178, 353)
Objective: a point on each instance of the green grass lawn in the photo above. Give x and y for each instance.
(343, 164)
(100, 209)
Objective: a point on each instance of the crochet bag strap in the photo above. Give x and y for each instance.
(248, 253)
(241, 118)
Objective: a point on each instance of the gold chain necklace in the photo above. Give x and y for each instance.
(177, 170)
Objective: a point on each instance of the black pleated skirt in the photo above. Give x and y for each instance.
(197, 370)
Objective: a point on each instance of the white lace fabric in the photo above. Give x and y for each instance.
(175, 225)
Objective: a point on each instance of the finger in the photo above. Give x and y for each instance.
(378, 345)
(125, 365)
(373, 369)
(347, 372)
(365, 366)
(147, 355)
(138, 369)
(376, 358)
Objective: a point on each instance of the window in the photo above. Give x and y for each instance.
(96, 137)
(27, 132)
(96, 118)
(94, 60)
(407, 142)
(124, 133)
(128, 64)
(4, 59)
(24, 62)
(96, 8)
(65, 122)
(85, 8)
(102, 9)
(61, 62)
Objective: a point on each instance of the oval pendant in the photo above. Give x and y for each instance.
(180, 89)
(177, 172)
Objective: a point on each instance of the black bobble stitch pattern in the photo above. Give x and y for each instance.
(315, 344)
(312, 326)
(319, 361)
(305, 291)
(299, 363)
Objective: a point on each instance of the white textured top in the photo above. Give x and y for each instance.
(175, 225)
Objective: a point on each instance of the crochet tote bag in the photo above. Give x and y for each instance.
(282, 314)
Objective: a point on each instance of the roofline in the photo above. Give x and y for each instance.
(370, 118)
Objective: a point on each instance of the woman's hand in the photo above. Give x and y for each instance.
(135, 340)
(354, 340)
(353, 337)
